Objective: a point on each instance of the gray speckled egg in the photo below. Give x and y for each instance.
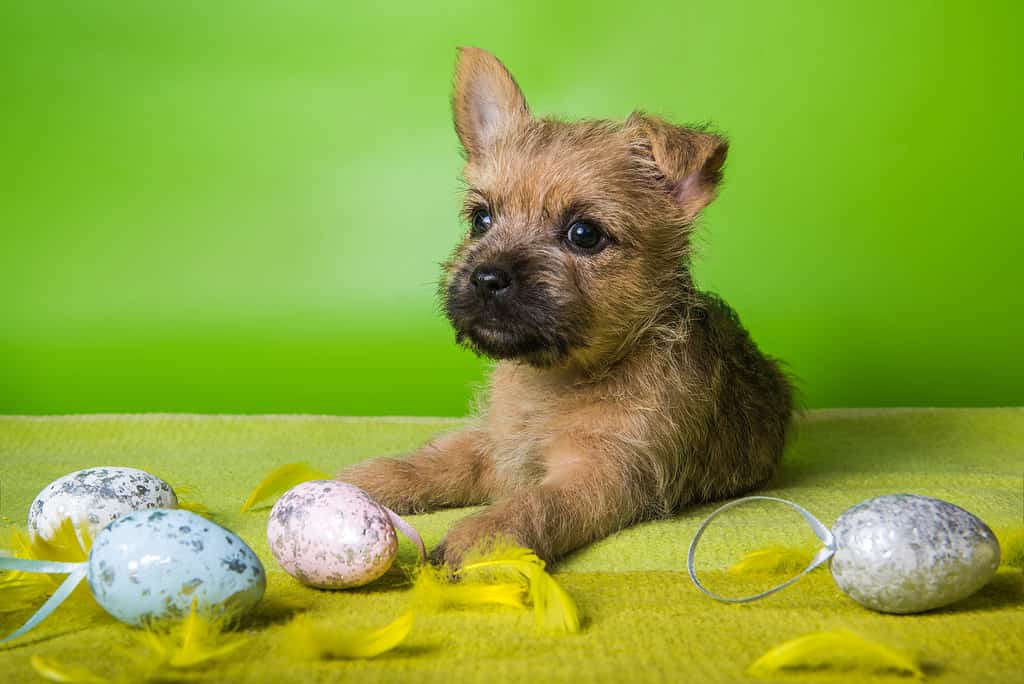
(331, 535)
(150, 565)
(93, 497)
(905, 553)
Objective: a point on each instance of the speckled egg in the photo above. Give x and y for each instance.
(331, 535)
(93, 497)
(150, 565)
(905, 553)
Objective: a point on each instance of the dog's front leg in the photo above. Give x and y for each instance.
(451, 470)
(565, 511)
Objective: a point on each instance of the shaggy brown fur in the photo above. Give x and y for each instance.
(622, 393)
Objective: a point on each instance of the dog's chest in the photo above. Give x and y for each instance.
(526, 416)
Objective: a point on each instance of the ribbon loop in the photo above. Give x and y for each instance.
(408, 530)
(820, 531)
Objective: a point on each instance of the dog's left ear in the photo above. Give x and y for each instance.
(486, 100)
(691, 161)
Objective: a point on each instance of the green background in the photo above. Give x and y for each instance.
(240, 207)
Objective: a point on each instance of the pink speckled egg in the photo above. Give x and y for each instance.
(331, 535)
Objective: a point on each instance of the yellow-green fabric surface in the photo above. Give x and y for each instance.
(643, 619)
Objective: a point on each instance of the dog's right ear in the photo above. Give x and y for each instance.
(486, 100)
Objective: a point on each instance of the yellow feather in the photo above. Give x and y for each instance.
(432, 591)
(553, 608)
(23, 590)
(68, 544)
(188, 642)
(840, 650)
(281, 480)
(196, 507)
(16, 543)
(1011, 544)
(774, 560)
(309, 639)
(52, 671)
(187, 503)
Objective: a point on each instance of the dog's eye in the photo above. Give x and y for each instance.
(583, 235)
(481, 223)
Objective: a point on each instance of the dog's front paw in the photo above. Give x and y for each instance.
(471, 536)
(449, 555)
(439, 556)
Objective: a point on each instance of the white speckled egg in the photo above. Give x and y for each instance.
(93, 497)
(905, 553)
(331, 535)
(148, 565)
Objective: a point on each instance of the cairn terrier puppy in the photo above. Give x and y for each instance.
(621, 392)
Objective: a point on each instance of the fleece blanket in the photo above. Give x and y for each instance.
(643, 620)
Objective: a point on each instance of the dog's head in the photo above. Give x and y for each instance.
(579, 233)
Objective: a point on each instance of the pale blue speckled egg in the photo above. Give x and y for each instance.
(149, 565)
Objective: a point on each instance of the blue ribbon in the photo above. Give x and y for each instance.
(820, 531)
(76, 573)
(45, 567)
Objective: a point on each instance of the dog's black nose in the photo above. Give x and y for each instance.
(490, 280)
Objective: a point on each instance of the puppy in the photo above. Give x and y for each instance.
(621, 392)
